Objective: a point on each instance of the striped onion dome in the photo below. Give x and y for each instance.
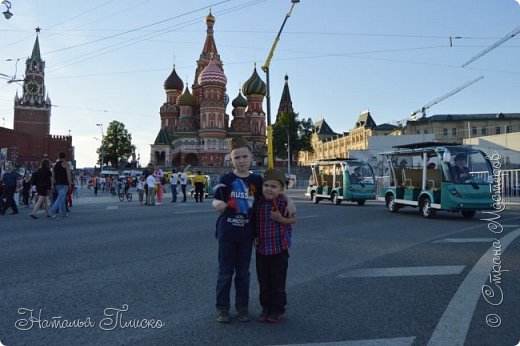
(239, 101)
(212, 74)
(186, 99)
(254, 85)
(210, 18)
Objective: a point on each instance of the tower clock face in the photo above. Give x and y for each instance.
(32, 88)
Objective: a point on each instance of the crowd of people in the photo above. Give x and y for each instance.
(51, 188)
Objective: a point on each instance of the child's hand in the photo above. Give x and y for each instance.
(276, 216)
(219, 205)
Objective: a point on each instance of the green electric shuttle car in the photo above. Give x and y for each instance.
(436, 176)
(341, 180)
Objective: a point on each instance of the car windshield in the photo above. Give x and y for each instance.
(468, 167)
(360, 172)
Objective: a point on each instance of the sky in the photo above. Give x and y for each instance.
(107, 59)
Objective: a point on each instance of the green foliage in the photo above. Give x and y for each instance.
(118, 146)
(298, 131)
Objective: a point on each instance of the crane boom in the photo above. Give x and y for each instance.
(423, 109)
(509, 35)
(265, 67)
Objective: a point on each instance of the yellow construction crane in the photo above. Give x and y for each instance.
(265, 68)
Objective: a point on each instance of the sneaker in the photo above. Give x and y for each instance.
(275, 318)
(52, 216)
(223, 316)
(33, 216)
(263, 317)
(243, 316)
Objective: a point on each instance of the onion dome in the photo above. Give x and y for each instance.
(186, 99)
(254, 85)
(239, 101)
(212, 74)
(210, 18)
(173, 82)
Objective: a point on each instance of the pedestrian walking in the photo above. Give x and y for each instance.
(174, 181)
(11, 179)
(159, 184)
(26, 189)
(62, 181)
(140, 189)
(184, 181)
(150, 197)
(42, 181)
(146, 172)
(199, 181)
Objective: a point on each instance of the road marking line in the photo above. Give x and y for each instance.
(403, 271)
(510, 226)
(464, 240)
(453, 326)
(112, 207)
(406, 341)
(306, 217)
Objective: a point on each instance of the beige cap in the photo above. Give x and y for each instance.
(273, 174)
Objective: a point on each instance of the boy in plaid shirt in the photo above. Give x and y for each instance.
(272, 246)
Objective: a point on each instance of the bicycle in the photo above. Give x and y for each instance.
(127, 195)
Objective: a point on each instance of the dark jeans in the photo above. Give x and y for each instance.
(233, 258)
(183, 189)
(9, 199)
(199, 191)
(271, 271)
(174, 192)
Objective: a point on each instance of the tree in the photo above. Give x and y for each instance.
(117, 143)
(299, 132)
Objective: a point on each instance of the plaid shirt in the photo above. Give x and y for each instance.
(273, 237)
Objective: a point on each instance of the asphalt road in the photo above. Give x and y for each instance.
(116, 273)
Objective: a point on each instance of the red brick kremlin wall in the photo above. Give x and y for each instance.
(30, 149)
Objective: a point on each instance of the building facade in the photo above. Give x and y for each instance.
(30, 139)
(456, 127)
(452, 128)
(328, 144)
(195, 128)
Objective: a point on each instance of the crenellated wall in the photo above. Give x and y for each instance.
(26, 148)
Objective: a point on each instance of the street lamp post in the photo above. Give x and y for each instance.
(102, 148)
(288, 147)
(265, 68)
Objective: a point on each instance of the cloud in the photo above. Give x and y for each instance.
(518, 4)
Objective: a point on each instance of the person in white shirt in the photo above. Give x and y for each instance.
(150, 198)
(140, 189)
(184, 181)
(174, 181)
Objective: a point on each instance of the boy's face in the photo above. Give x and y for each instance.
(241, 159)
(271, 189)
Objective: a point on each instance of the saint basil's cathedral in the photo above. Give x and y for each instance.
(195, 129)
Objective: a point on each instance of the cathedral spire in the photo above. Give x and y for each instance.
(209, 46)
(285, 101)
